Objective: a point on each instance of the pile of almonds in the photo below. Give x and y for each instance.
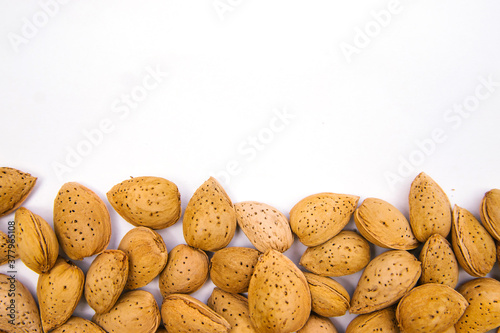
(257, 289)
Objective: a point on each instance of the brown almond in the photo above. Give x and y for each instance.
(474, 247)
(15, 186)
(152, 202)
(377, 321)
(186, 271)
(233, 308)
(78, 325)
(318, 324)
(344, 254)
(430, 209)
(490, 212)
(319, 217)
(8, 249)
(265, 226)
(135, 311)
(106, 279)
(81, 221)
(183, 313)
(386, 279)
(59, 291)
(232, 267)
(384, 225)
(209, 222)
(147, 255)
(329, 298)
(439, 264)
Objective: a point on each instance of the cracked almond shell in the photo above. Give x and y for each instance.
(329, 298)
(15, 186)
(232, 307)
(439, 264)
(377, 321)
(490, 212)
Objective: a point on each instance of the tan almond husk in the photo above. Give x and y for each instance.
(209, 221)
(473, 246)
(183, 313)
(318, 324)
(37, 243)
(384, 225)
(8, 249)
(78, 325)
(319, 217)
(377, 321)
(490, 212)
(265, 226)
(439, 264)
(152, 202)
(344, 254)
(15, 187)
(329, 298)
(233, 308)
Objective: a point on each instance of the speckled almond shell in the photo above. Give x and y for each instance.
(473, 246)
(232, 267)
(384, 225)
(209, 221)
(135, 311)
(265, 226)
(319, 217)
(147, 255)
(15, 186)
(36, 241)
(377, 321)
(431, 307)
(106, 279)
(344, 254)
(78, 325)
(490, 212)
(430, 209)
(279, 298)
(5, 254)
(233, 308)
(59, 292)
(183, 313)
(318, 324)
(329, 298)
(186, 271)
(81, 221)
(439, 264)
(27, 316)
(483, 312)
(152, 202)
(386, 279)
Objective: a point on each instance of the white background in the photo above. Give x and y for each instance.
(360, 123)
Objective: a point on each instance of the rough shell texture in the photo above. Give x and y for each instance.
(386, 279)
(439, 264)
(26, 316)
(318, 324)
(152, 202)
(59, 292)
(378, 321)
(186, 271)
(344, 254)
(183, 313)
(430, 209)
(36, 241)
(490, 212)
(78, 325)
(265, 226)
(329, 298)
(319, 217)
(483, 312)
(105, 280)
(209, 221)
(232, 267)
(147, 255)
(384, 225)
(81, 221)
(8, 250)
(278, 296)
(474, 247)
(135, 311)
(233, 308)
(15, 186)
(431, 307)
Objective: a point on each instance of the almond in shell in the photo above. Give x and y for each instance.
(8, 248)
(490, 212)
(265, 226)
(15, 186)
(377, 321)
(439, 264)
(78, 325)
(329, 298)
(318, 324)
(233, 308)
(152, 202)
(319, 217)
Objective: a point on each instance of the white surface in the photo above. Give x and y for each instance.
(351, 121)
